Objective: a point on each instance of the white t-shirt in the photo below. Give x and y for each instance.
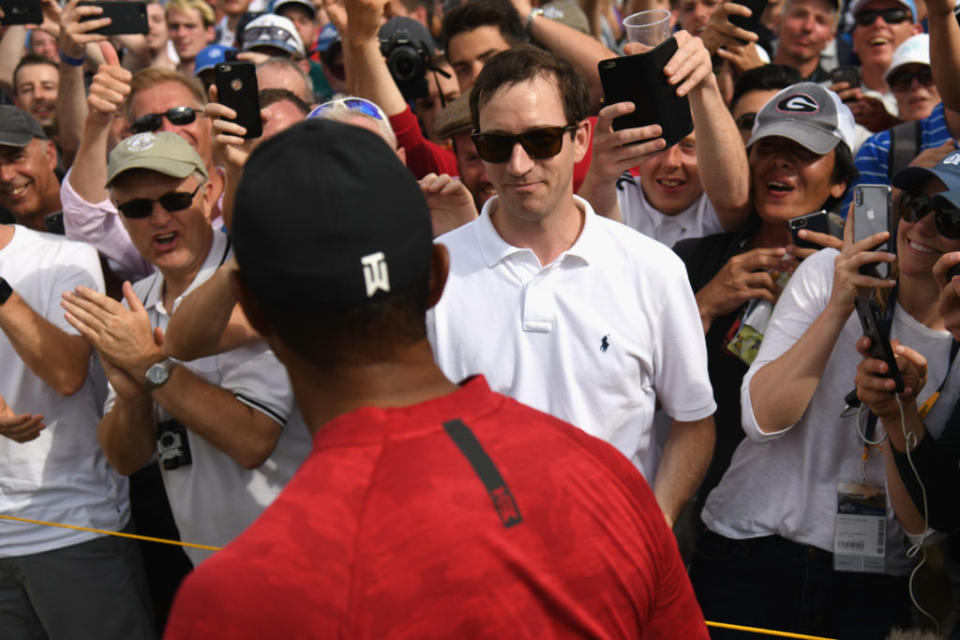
(215, 498)
(596, 337)
(785, 483)
(698, 220)
(61, 476)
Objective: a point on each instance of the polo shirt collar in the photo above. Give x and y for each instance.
(588, 247)
(219, 252)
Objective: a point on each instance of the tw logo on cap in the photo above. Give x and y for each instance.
(375, 273)
(798, 103)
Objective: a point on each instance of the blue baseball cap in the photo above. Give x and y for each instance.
(209, 57)
(947, 170)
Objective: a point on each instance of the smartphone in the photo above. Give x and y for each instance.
(850, 75)
(871, 214)
(757, 7)
(237, 89)
(874, 328)
(125, 17)
(816, 221)
(640, 79)
(21, 12)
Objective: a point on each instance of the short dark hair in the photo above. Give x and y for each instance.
(272, 96)
(765, 78)
(482, 13)
(525, 62)
(356, 336)
(30, 59)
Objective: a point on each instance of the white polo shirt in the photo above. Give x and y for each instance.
(596, 337)
(215, 498)
(61, 476)
(698, 220)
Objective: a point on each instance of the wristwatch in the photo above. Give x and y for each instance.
(5, 291)
(158, 374)
(537, 11)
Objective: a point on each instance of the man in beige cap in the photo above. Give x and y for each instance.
(218, 424)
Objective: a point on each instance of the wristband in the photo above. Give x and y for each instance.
(73, 62)
(530, 16)
(5, 291)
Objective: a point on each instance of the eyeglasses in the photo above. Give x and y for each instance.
(914, 206)
(890, 16)
(359, 105)
(901, 81)
(539, 144)
(143, 207)
(178, 116)
(745, 121)
(270, 36)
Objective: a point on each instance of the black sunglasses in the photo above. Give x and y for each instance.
(745, 121)
(903, 80)
(890, 16)
(143, 207)
(152, 121)
(914, 206)
(539, 144)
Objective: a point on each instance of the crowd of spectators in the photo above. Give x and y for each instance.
(446, 351)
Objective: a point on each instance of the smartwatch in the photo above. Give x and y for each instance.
(5, 291)
(158, 374)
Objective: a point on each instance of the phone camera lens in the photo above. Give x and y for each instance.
(858, 197)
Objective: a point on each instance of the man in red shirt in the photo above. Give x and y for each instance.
(425, 508)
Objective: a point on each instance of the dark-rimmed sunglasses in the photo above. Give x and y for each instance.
(901, 81)
(539, 144)
(890, 16)
(177, 116)
(745, 121)
(143, 207)
(914, 206)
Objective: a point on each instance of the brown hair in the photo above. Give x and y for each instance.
(152, 76)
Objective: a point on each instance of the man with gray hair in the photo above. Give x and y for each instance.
(218, 425)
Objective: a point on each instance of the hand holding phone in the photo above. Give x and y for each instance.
(237, 88)
(816, 221)
(871, 320)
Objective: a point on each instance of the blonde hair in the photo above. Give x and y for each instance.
(207, 13)
(152, 76)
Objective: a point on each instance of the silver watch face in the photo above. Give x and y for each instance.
(158, 373)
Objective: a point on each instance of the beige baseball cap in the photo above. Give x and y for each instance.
(163, 152)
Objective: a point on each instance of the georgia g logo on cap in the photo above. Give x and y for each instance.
(798, 103)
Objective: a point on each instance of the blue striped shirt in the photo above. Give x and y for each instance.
(873, 159)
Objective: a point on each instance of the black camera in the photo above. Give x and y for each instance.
(408, 47)
(173, 446)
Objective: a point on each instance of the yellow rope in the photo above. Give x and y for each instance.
(769, 632)
(114, 533)
(720, 625)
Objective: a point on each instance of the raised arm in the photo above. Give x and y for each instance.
(945, 39)
(367, 73)
(11, 50)
(778, 406)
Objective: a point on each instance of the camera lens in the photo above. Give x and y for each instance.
(166, 440)
(858, 197)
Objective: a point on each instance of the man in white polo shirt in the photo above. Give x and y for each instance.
(219, 425)
(569, 312)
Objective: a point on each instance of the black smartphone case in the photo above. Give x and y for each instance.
(816, 221)
(126, 17)
(237, 89)
(21, 12)
(872, 323)
(752, 23)
(640, 79)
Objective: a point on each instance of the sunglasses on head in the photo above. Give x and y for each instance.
(890, 16)
(745, 121)
(178, 116)
(903, 80)
(539, 144)
(914, 206)
(359, 105)
(172, 201)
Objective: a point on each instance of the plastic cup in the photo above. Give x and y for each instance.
(649, 28)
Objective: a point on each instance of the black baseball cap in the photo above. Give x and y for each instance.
(327, 218)
(17, 127)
